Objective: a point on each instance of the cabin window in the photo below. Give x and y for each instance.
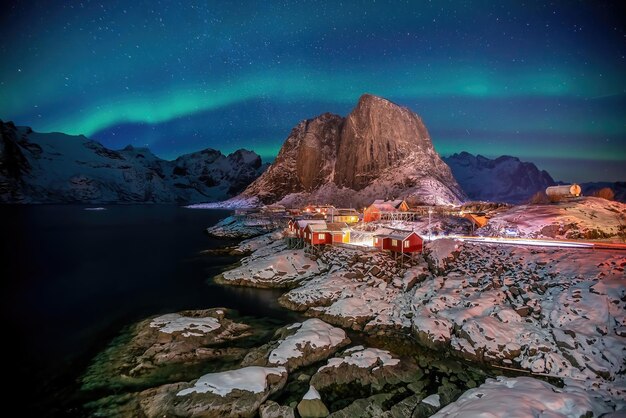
(406, 244)
(394, 242)
(320, 236)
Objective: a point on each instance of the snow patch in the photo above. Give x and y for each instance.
(522, 397)
(312, 393)
(252, 379)
(174, 322)
(314, 333)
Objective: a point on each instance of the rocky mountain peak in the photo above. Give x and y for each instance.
(379, 149)
(377, 134)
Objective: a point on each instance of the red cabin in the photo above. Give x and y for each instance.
(316, 234)
(302, 224)
(376, 209)
(399, 242)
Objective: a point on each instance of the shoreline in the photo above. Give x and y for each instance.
(384, 308)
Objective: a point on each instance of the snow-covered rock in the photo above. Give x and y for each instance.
(250, 379)
(586, 217)
(299, 345)
(240, 227)
(523, 397)
(237, 392)
(360, 368)
(184, 339)
(273, 266)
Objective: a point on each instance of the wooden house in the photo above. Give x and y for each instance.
(478, 220)
(400, 242)
(326, 233)
(374, 211)
(338, 231)
(302, 224)
(349, 216)
(316, 234)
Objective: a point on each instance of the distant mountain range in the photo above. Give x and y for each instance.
(59, 168)
(504, 179)
(379, 151)
(507, 179)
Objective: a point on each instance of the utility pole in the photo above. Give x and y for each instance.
(430, 213)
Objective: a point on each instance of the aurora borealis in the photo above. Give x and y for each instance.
(543, 81)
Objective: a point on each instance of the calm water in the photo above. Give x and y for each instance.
(72, 279)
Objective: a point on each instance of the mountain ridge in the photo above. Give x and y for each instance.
(59, 168)
(503, 179)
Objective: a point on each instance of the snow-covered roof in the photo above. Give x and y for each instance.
(387, 205)
(398, 235)
(302, 223)
(336, 226)
(317, 227)
(346, 212)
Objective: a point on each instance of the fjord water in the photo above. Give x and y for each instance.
(73, 278)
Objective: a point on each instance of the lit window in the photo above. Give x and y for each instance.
(394, 242)
(320, 236)
(406, 244)
(376, 240)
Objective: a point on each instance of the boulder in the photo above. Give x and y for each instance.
(311, 405)
(271, 409)
(234, 393)
(299, 345)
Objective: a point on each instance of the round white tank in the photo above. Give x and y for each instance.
(566, 190)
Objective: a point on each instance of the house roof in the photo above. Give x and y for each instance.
(478, 220)
(346, 212)
(387, 205)
(336, 226)
(397, 235)
(317, 227)
(302, 223)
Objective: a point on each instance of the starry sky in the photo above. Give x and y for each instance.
(543, 81)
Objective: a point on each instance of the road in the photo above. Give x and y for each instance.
(541, 242)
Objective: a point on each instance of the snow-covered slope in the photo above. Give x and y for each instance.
(380, 150)
(586, 217)
(58, 168)
(505, 179)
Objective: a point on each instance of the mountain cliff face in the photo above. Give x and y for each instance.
(505, 179)
(380, 150)
(58, 168)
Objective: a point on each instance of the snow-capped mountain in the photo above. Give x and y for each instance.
(380, 150)
(504, 179)
(58, 168)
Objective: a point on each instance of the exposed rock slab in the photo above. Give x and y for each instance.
(235, 393)
(167, 347)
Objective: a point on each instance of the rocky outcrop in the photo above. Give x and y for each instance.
(504, 179)
(58, 168)
(299, 345)
(235, 393)
(305, 162)
(365, 370)
(380, 149)
(271, 409)
(180, 341)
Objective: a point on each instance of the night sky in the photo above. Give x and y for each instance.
(544, 81)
